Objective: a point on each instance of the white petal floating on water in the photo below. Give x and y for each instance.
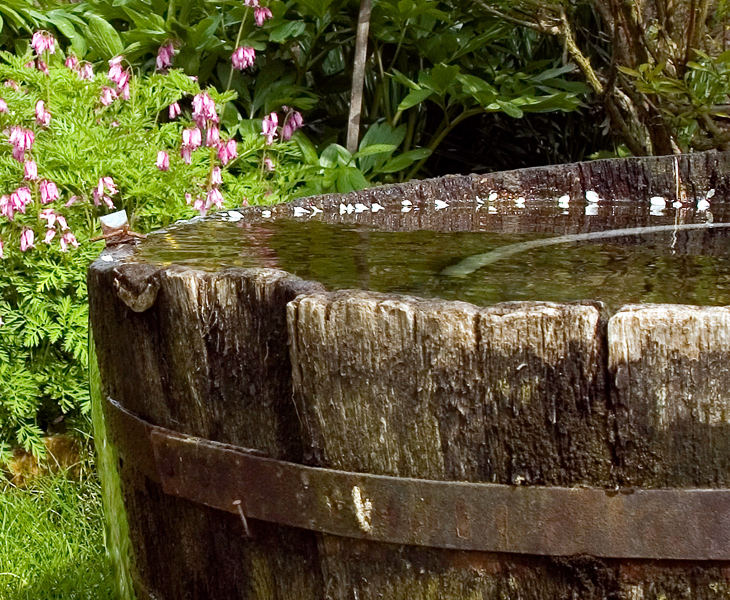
(441, 204)
(375, 207)
(265, 214)
(350, 209)
(520, 202)
(360, 208)
(406, 203)
(492, 196)
(656, 211)
(592, 210)
(406, 208)
(710, 194)
(479, 200)
(592, 196)
(316, 210)
(703, 205)
(234, 216)
(343, 209)
(564, 201)
(659, 201)
(300, 211)
(492, 210)
(677, 204)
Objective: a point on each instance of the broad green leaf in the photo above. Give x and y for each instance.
(333, 155)
(405, 160)
(439, 78)
(288, 30)
(374, 149)
(350, 179)
(510, 109)
(309, 152)
(103, 38)
(414, 97)
(379, 133)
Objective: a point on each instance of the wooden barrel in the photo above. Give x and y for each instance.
(282, 441)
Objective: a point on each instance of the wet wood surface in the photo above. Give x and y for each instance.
(519, 393)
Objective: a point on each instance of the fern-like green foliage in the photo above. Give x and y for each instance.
(43, 302)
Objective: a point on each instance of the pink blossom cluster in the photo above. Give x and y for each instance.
(261, 14)
(54, 219)
(268, 127)
(119, 76)
(83, 69)
(292, 122)
(3, 107)
(165, 55)
(42, 116)
(22, 141)
(17, 202)
(243, 57)
(103, 192)
(43, 43)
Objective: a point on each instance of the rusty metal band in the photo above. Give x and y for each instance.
(677, 524)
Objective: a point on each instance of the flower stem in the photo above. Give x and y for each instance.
(238, 41)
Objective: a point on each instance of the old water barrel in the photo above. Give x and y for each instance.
(415, 391)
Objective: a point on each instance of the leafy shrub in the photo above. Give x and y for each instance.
(96, 153)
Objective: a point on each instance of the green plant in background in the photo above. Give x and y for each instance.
(75, 146)
(303, 58)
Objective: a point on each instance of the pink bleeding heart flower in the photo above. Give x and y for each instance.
(268, 127)
(99, 195)
(42, 67)
(174, 111)
(292, 122)
(163, 161)
(42, 116)
(164, 56)
(115, 69)
(50, 215)
(50, 234)
(42, 41)
(108, 95)
(214, 198)
(212, 137)
(3, 106)
(260, 14)
(61, 220)
(227, 151)
(71, 62)
(215, 176)
(12, 84)
(20, 199)
(253, 3)
(204, 110)
(27, 239)
(86, 71)
(243, 57)
(68, 239)
(49, 192)
(191, 139)
(30, 170)
(268, 164)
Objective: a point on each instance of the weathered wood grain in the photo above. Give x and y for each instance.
(207, 357)
(444, 390)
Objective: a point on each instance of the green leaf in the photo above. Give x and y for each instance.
(309, 152)
(379, 133)
(403, 80)
(288, 30)
(413, 98)
(440, 78)
(333, 155)
(350, 179)
(103, 38)
(405, 160)
(510, 109)
(374, 149)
